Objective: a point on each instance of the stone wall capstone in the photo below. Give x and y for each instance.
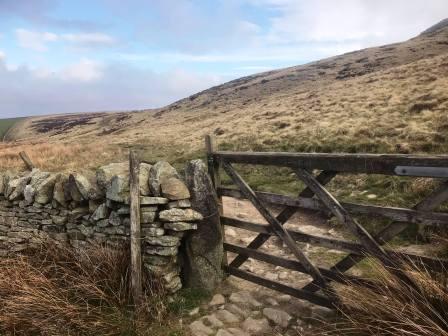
(77, 210)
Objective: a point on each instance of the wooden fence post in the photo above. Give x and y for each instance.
(136, 248)
(29, 164)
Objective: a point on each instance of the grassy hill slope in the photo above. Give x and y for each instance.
(6, 124)
(392, 98)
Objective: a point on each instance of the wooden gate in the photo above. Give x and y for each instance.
(316, 197)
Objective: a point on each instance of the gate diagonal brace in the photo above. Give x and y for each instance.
(370, 244)
(280, 231)
(324, 178)
(436, 198)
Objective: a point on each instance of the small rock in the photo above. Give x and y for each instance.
(217, 300)
(100, 213)
(227, 317)
(271, 276)
(114, 219)
(283, 275)
(230, 232)
(271, 301)
(174, 189)
(147, 217)
(256, 327)
(223, 332)
(237, 310)
(244, 298)
(194, 312)
(212, 321)
(237, 332)
(284, 298)
(279, 317)
(198, 328)
(321, 313)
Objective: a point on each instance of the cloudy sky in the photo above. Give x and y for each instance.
(60, 56)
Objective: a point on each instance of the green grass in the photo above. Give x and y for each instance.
(6, 124)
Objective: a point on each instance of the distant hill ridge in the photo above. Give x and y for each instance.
(441, 25)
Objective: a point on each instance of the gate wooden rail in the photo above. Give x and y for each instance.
(316, 197)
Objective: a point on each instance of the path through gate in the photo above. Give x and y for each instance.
(315, 171)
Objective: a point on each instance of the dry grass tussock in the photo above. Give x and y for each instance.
(59, 156)
(393, 309)
(58, 291)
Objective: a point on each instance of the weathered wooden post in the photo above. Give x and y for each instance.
(136, 248)
(213, 170)
(26, 159)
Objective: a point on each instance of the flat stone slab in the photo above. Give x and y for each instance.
(148, 200)
(180, 215)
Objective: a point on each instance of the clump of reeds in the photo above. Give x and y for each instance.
(393, 308)
(56, 290)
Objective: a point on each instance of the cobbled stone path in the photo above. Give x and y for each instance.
(256, 312)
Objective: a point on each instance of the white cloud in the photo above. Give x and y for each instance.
(2, 55)
(120, 87)
(85, 70)
(365, 21)
(89, 39)
(36, 41)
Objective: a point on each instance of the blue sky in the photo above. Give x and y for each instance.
(59, 56)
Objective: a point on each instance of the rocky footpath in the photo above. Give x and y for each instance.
(81, 210)
(244, 313)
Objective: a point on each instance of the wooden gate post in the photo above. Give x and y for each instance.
(136, 247)
(213, 170)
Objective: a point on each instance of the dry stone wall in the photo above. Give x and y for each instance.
(77, 210)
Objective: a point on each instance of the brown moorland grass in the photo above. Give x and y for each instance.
(55, 290)
(393, 308)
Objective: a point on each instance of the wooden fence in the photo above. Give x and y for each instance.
(316, 197)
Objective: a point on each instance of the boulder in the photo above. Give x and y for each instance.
(105, 174)
(159, 172)
(204, 247)
(4, 180)
(28, 194)
(143, 179)
(71, 191)
(38, 177)
(118, 189)
(16, 187)
(2, 183)
(174, 189)
(44, 190)
(180, 215)
(82, 184)
(58, 191)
